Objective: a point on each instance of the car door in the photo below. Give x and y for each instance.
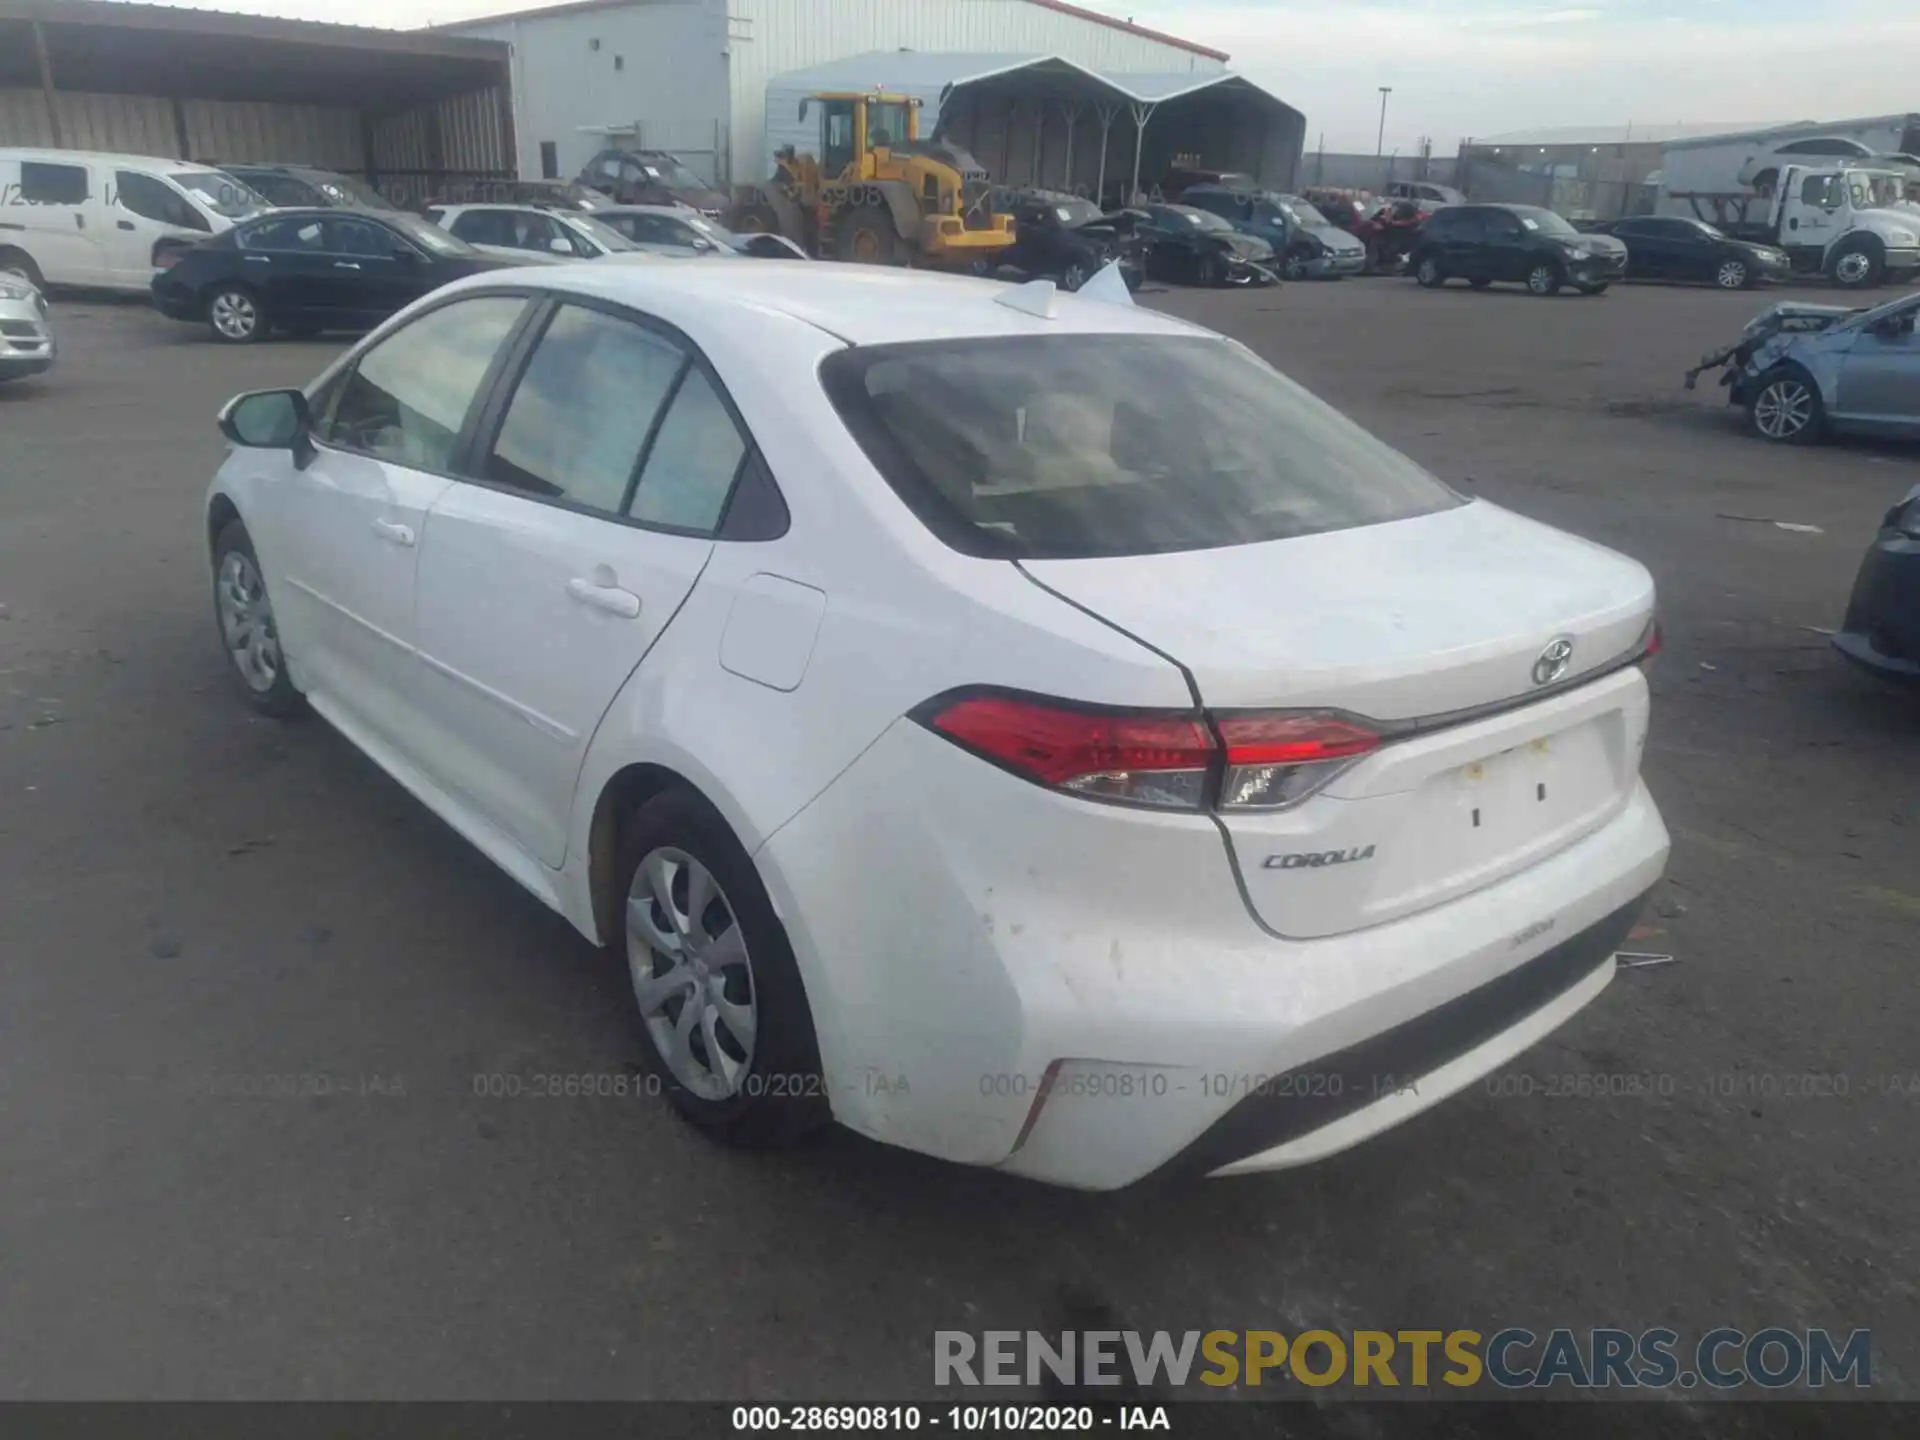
(45, 214)
(1689, 253)
(1466, 243)
(288, 264)
(387, 432)
(1880, 376)
(375, 272)
(1505, 253)
(1645, 249)
(144, 212)
(603, 471)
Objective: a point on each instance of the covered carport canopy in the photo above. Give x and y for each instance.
(1043, 121)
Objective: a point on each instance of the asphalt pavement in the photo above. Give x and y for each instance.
(251, 992)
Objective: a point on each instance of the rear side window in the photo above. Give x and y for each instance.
(1057, 447)
(296, 232)
(407, 398)
(44, 184)
(691, 466)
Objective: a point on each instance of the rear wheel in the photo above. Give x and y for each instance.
(1075, 273)
(1732, 275)
(235, 315)
(18, 262)
(1429, 274)
(1544, 278)
(867, 237)
(727, 1029)
(1786, 407)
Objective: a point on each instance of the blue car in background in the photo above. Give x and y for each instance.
(1309, 245)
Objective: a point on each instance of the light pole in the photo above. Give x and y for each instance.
(1380, 147)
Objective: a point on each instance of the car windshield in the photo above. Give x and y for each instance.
(345, 190)
(220, 192)
(1299, 212)
(671, 173)
(1883, 190)
(428, 237)
(1077, 212)
(601, 233)
(1203, 220)
(1545, 221)
(1056, 447)
(701, 225)
(887, 124)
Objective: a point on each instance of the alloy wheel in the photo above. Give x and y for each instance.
(1074, 276)
(1783, 409)
(1429, 272)
(1732, 276)
(234, 314)
(1853, 268)
(1541, 280)
(246, 621)
(1294, 267)
(692, 976)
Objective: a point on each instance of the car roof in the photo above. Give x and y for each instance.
(860, 304)
(671, 212)
(320, 212)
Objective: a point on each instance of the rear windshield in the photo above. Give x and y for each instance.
(1073, 446)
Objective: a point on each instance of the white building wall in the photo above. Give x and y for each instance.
(659, 66)
(768, 37)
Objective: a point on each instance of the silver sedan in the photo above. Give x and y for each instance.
(26, 329)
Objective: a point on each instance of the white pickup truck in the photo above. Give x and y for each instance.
(1848, 222)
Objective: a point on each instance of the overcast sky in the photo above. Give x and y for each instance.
(1480, 67)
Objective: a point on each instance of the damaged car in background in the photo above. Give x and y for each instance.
(1070, 240)
(1194, 247)
(1805, 371)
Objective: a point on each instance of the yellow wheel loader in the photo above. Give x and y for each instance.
(877, 194)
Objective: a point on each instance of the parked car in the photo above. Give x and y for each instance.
(1807, 371)
(676, 230)
(1069, 241)
(1194, 247)
(1309, 245)
(1668, 247)
(302, 187)
(547, 194)
(1486, 244)
(1881, 632)
(105, 222)
(27, 345)
(304, 271)
(1183, 177)
(651, 177)
(903, 683)
(1425, 192)
(513, 232)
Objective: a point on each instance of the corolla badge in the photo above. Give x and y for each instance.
(1554, 661)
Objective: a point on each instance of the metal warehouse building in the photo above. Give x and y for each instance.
(1037, 81)
(408, 109)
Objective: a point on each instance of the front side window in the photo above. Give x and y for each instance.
(146, 197)
(581, 414)
(362, 238)
(299, 233)
(44, 184)
(407, 398)
(1056, 447)
(836, 152)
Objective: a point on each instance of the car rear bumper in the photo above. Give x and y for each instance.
(1079, 994)
(1882, 630)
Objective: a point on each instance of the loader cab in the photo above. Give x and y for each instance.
(854, 126)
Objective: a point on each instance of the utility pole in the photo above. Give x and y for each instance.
(1380, 147)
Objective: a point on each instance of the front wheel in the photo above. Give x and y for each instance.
(248, 631)
(1786, 408)
(1293, 266)
(1075, 274)
(235, 315)
(1544, 279)
(727, 1031)
(868, 237)
(18, 262)
(1732, 275)
(1429, 274)
(1858, 269)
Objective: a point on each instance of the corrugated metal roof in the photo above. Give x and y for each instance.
(932, 71)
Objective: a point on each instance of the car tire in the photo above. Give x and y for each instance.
(1543, 279)
(235, 315)
(1075, 273)
(1428, 274)
(759, 1091)
(866, 236)
(18, 262)
(1786, 407)
(1858, 267)
(1293, 265)
(1206, 271)
(1732, 275)
(249, 634)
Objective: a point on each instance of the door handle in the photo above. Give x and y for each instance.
(256, 259)
(346, 265)
(610, 598)
(396, 534)
(124, 224)
(80, 220)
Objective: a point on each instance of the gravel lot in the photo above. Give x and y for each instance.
(195, 900)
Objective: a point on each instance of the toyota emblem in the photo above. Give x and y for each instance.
(1554, 660)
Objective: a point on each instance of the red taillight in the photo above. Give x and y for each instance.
(1163, 759)
(1135, 757)
(167, 259)
(1278, 760)
(1652, 643)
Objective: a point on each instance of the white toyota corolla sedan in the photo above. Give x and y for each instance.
(1018, 726)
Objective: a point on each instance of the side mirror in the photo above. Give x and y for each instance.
(559, 246)
(704, 245)
(269, 420)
